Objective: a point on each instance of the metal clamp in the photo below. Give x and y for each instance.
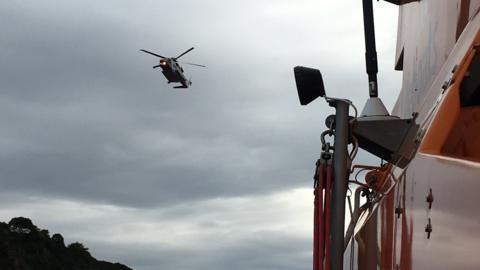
(325, 145)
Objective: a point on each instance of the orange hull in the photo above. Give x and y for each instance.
(431, 220)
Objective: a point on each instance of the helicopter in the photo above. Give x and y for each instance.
(172, 70)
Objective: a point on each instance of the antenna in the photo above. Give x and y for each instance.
(374, 105)
(371, 52)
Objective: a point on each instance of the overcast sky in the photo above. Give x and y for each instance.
(95, 145)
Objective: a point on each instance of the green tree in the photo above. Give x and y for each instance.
(78, 248)
(22, 223)
(58, 239)
(45, 234)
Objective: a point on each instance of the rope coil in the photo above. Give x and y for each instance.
(322, 205)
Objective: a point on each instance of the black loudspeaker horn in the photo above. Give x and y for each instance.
(309, 84)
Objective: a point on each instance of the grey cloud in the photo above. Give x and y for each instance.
(79, 97)
(261, 250)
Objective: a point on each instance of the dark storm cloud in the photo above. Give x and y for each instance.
(71, 153)
(85, 117)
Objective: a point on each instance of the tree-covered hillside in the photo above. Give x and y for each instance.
(23, 246)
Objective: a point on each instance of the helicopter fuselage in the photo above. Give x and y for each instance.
(174, 72)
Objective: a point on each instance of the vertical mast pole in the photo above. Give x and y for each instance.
(371, 51)
(339, 189)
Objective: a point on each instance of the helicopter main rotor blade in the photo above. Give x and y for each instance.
(154, 54)
(193, 64)
(184, 53)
